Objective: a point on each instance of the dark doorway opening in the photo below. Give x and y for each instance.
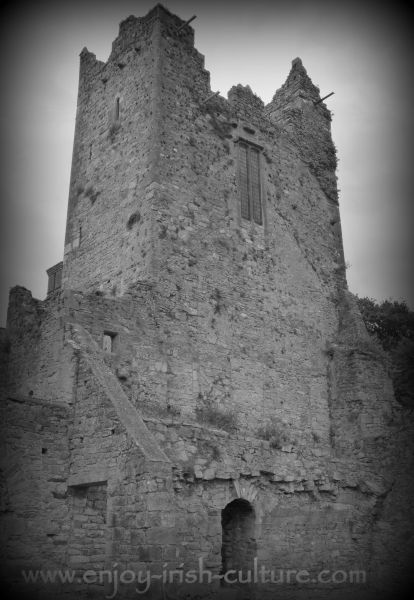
(239, 546)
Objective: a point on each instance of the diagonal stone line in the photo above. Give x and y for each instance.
(130, 418)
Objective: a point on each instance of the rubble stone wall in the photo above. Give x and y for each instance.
(194, 358)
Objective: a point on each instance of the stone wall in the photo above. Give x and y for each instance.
(193, 358)
(34, 517)
(319, 506)
(222, 286)
(39, 365)
(115, 155)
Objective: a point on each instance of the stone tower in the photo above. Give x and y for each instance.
(198, 386)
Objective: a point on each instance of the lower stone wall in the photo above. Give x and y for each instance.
(159, 531)
(169, 521)
(34, 517)
(87, 488)
(312, 509)
(89, 528)
(392, 549)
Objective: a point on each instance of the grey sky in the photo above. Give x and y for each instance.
(359, 53)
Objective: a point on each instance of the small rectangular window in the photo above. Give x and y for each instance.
(54, 278)
(108, 343)
(250, 182)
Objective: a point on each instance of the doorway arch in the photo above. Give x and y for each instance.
(239, 547)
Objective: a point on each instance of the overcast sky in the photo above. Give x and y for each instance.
(360, 51)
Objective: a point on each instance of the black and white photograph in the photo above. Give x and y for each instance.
(206, 300)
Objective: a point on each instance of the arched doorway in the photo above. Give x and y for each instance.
(238, 538)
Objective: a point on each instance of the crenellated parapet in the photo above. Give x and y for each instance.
(135, 30)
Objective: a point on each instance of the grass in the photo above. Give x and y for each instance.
(210, 413)
(276, 433)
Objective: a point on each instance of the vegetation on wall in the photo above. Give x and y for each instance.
(276, 433)
(209, 412)
(392, 323)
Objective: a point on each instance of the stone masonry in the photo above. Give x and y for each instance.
(198, 386)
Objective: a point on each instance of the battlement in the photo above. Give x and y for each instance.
(134, 30)
(297, 92)
(298, 83)
(244, 102)
(136, 35)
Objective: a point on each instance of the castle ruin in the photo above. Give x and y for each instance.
(198, 387)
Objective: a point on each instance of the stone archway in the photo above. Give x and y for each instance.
(238, 537)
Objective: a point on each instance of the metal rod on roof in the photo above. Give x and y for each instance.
(324, 98)
(186, 23)
(210, 97)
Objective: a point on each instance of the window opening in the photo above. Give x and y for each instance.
(108, 343)
(250, 183)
